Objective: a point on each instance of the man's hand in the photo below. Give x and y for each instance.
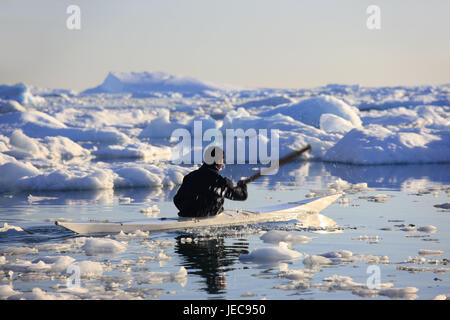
(241, 184)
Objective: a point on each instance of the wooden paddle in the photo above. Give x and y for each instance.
(283, 161)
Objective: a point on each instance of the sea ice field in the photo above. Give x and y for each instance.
(109, 154)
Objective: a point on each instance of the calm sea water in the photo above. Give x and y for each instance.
(211, 256)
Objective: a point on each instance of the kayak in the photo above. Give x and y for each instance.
(306, 212)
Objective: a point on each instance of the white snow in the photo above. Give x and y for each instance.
(332, 123)
(7, 106)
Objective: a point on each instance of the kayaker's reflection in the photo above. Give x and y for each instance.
(210, 259)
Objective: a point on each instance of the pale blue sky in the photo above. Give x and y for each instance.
(262, 43)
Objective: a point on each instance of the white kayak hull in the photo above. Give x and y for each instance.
(305, 212)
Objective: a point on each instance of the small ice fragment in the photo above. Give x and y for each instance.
(125, 200)
(95, 246)
(426, 252)
(443, 206)
(407, 292)
(427, 229)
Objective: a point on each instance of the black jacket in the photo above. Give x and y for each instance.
(203, 192)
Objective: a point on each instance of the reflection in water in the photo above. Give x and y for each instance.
(85, 197)
(210, 258)
(402, 177)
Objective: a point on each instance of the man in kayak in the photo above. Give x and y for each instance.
(204, 190)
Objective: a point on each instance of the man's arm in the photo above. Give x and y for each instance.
(235, 193)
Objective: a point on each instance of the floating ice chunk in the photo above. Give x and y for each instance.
(18, 251)
(314, 261)
(137, 234)
(159, 277)
(56, 263)
(428, 252)
(415, 269)
(294, 275)
(70, 178)
(6, 291)
(343, 254)
(7, 229)
(407, 292)
(90, 269)
(377, 198)
(25, 266)
(268, 255)
(332, 123)
(373, 259)
(248, 294)
(12, 172)
(125, 200)
(39, 294)
(94, 246)
(150, 212)
(337, 282)
(438, 297)
(32, 199)
(276, 236)
(427, 229)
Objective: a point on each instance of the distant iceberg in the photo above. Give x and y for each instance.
(20, 93)
(139, 83)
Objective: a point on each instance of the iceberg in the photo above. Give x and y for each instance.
(376, 144)
(309, 111)
(147, 82)
(20, 93)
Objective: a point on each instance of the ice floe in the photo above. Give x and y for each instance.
(277, 236)
(94, 246)
(271, 255)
